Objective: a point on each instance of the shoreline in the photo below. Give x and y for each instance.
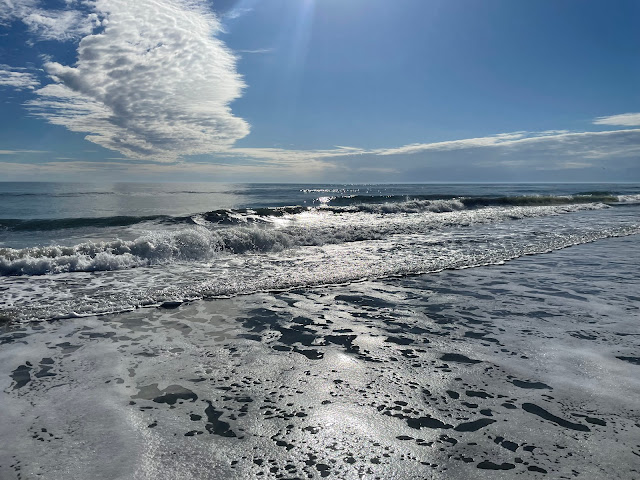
(172, 296)
(450, 375)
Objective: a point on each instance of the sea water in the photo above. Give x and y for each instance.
(70, 249)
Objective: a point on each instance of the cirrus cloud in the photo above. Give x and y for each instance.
(621, 120)
(551, 143)
(17, 78)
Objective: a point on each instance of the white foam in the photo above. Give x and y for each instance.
(412, 206)
(312, 248)
(199, 243)
(629, 198)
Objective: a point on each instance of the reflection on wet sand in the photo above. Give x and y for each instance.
(525, 368)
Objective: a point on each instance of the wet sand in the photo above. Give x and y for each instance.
(529, 369)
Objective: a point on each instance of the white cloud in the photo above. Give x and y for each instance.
(49, 24)
(154, 84)
(16, 152)
(257, 50)
(622, 120)
(283, 155)
(14, 9)
(521, 153)
(236, 13)
(614, 143)
(59, 25)
(608, 144)
(522, 156)
(17, 78)
(122, 168)
(489, 141)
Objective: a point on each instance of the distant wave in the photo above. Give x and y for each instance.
(377, 204)
(65, 223)
(475, 202)
(203, 243)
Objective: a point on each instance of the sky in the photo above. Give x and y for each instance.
(320, 90)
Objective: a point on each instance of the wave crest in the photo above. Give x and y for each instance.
(198, 243)
(376, 204)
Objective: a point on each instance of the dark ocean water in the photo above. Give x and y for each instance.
(84, 249)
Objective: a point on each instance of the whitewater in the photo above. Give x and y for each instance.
(272, 237)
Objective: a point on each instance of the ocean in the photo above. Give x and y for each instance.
(305, 331)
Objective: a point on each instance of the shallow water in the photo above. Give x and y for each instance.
(527, 368)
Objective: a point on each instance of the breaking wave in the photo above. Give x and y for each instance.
(206, 240)
(377, 204)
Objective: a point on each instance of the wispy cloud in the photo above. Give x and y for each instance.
(17, 78)
(622, 120)
(522, 156)
(613, 143)
(11, 10)
(521, 153)
(236, 13)
(18, 152)
(117, 170)
(413, 148)
(257, 50)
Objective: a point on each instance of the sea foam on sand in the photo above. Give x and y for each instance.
(529, 367)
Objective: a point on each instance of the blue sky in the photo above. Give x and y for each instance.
(320, 90)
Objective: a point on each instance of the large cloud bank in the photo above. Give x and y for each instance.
(152, 81)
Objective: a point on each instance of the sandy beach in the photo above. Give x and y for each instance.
(527, 369)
